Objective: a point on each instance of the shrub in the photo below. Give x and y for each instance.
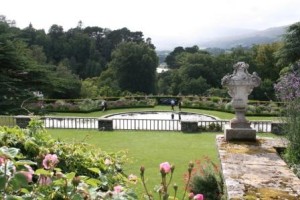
(288, 91)
(215, 99)
(207, 179)
(97, 172)
(228, 107)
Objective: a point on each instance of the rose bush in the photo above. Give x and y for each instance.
(35, 166)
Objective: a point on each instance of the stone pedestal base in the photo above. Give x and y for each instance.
(247, 134)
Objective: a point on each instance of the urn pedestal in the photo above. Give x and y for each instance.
(240, 84)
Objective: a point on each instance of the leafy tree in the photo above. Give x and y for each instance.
(62, 83)
(55, 47)
(194, 86)
(19, 74)
(266, 62)
(290, 51)
(170, 59)
(135, 67)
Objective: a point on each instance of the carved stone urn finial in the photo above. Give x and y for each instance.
(240, 84)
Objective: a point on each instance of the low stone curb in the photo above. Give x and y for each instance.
(254, 170)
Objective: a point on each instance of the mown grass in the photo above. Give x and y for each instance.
(149, 149)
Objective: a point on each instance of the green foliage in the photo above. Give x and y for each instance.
(292, 130)
(89, 105)
(289, 52)
(134, 65)
(81, 170)
(263, 108)
(207, 179)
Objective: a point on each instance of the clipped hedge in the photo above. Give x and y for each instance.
(255, 108)
(87, 105)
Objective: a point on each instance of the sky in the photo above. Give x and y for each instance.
(169, 23)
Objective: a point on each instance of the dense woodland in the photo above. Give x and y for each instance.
(94, 62)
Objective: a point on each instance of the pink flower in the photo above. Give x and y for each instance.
(28, 174)
(2, 160)
(199, 197)
(45, 180)
(118, 189)
(50, 161)
(107, 161)
(166, 167)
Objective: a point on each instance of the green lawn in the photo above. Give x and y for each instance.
(148, 148)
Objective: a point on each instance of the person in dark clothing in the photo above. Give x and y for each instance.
(179, 105)
(172, 104)
(103, 105)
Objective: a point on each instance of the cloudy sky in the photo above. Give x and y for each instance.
(167, 22)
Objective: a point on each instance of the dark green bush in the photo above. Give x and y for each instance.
(207, 180)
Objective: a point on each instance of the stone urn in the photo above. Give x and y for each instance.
(240, 84)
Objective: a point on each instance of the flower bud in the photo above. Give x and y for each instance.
(59, 175)
(76, 181)
(142, 169)
(191, 166)
(172, 168)
(175, 186)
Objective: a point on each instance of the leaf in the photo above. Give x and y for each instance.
(95, 170)
(14, 198)
(25, 191)
(25, 162)
(9, 152)
(18, 181)
(70, 176)
(93, 182)
(59, 182)
(57, 169)
(77, 197)
(2, 182)
(42, 172)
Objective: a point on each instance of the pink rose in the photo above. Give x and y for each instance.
(50, 161)
(45, 180)
(118, 189)
(28, 174)
(199, 197)
(107, 161)
(166, 167)
(2, 160)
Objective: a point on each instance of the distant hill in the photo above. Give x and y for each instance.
(246, 40)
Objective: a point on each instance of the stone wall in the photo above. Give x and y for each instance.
(105, 124)
(277, 128)
(189, 127)
(22, 121)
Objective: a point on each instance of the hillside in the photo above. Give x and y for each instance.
(247, 40)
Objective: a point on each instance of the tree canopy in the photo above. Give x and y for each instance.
(134, 66)
(89, 62)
